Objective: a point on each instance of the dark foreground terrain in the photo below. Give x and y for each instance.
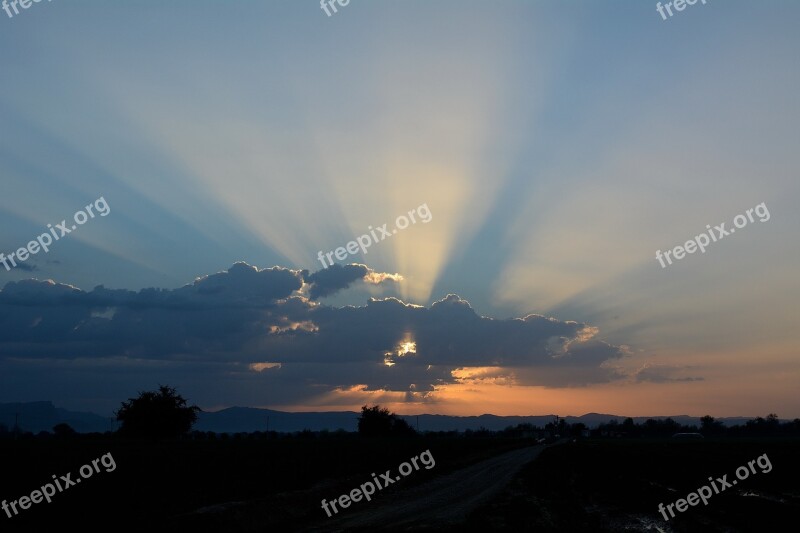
(276, 483)
(616, 485)
(238, 483)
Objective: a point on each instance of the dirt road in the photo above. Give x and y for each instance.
(441, 502)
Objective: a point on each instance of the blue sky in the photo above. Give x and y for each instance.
(558, 145)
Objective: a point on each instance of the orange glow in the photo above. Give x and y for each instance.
(407, 348)
(260, 367)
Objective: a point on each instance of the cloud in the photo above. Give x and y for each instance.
(376, 278)
(261, 330)
(330, 280)
(26, 267)
(660, 373)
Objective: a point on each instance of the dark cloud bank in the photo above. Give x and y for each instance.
(261, 337)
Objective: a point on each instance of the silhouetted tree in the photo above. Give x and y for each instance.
(629, 426)
(375, 421)
(763, 426)
(577, 429)
(160, 414)
(378, 421)
(711, 426)
(401, 428)
(63, 430)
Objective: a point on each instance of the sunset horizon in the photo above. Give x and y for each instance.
(357, 266)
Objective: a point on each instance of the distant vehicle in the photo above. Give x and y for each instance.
(688, 436)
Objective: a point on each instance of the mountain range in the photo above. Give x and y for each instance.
(42, 416)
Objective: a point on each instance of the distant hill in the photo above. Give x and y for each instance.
(238, 419)
(42, 416)
(246, 419)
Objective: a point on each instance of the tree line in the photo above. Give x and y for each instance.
(165, 414)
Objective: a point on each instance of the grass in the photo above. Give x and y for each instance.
(616, 485)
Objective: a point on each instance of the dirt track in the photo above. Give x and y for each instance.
(442, 502)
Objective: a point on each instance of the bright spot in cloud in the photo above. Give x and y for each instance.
(407, 348)
(260, 367)
(404, 348)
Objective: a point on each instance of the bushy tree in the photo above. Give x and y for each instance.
(159, 414)
(762, 426)
(63, 430)
(710, 426)
(378, 421)
(576, 430)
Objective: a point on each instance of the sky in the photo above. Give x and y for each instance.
(546, 151)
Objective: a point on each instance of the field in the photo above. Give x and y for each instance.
(276, 483)
(163, 482)
(616, 485)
